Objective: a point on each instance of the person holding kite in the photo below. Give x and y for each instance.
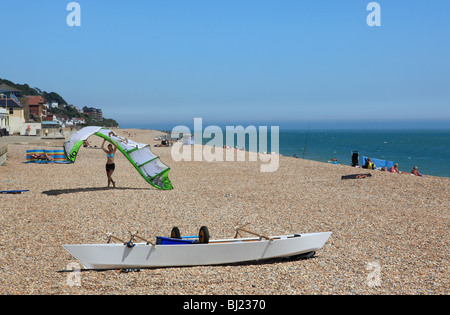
(110, 166)
(148, 165)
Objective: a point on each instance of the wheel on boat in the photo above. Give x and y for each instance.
(203, 235)
(175, 233)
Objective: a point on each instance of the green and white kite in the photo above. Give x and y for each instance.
(146, 163)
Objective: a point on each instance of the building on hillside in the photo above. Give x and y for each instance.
(46, 125)
(10, 91)
(16, 114)
(36, 107)
(95, 113)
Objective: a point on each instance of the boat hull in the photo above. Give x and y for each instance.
(217, 252)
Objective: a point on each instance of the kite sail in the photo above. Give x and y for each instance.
(146, 163)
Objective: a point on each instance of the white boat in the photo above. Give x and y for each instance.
(215, 252)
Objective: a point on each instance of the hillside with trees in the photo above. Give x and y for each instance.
(67, 110)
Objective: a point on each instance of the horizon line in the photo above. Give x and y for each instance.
(442, 124)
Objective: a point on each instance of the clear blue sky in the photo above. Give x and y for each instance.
(157, 62)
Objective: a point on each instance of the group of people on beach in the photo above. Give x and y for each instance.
(393, 169)
(112, 148)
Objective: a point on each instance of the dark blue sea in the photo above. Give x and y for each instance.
(429, 150)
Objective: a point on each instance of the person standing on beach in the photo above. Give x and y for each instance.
(110, 166)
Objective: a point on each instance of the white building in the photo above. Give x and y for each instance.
(4, 119)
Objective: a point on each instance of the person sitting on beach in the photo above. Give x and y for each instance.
(164, 143)
(43, 156)
(369, 164)
(415, 171)
(394, 169)
(86, 144)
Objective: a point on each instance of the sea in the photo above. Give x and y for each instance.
(429, 150)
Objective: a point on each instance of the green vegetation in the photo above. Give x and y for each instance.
(71, 112)
(68, 110)
(27, 90)
(105, 123)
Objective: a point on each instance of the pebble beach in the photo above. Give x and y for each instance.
(390, 231)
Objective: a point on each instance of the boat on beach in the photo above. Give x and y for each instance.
(189, 251)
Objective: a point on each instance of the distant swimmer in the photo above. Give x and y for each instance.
(110, 166)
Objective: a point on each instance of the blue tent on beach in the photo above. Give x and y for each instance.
(379, 163)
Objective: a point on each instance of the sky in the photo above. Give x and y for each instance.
(291, 63)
